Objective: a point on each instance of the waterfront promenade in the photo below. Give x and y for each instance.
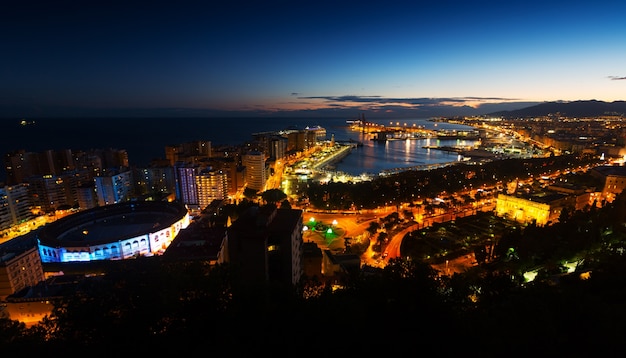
(331, 155)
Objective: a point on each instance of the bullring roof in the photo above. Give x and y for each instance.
(110, 223)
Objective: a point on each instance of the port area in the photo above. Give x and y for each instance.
(330, 155)
(381, 133)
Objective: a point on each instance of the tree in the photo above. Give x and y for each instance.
(250, 193)
(565, 214)
(373, 227)
(285, 204)
(10, 331)
(273, 196)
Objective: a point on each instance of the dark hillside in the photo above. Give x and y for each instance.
(590, 108)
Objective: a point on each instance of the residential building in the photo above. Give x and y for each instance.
(256, 171)
(312, 261)
(20, 268)
(234, 174)
(155, 182)
(211, 185)
(21, 165)
(51, 192)
(186, 186)
(188, 152)
(266, 245)
(113, 187)
(86, 196)
(339, 268)
(15, 205)
(613, 177)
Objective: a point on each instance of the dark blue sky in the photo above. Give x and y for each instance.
(323, 57)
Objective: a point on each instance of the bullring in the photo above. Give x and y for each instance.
(113, 232)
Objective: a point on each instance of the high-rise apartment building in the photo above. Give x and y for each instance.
(212, 185)
(156, 181)
(55, 162)
(89, 163)
(21, 165)
(277, 148)
(305, 139)
(186, 186)
(6, 220)
(188, 152)
(49, 192)
(111, 158)
(113, 188)
(233, 170)
(256, 172)
(86, 196)
(15, 205)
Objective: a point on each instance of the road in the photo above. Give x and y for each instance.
(355, 226)
(393, 247)
(33, 224)
(451, 266)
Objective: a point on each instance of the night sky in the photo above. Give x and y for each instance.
(63, 57)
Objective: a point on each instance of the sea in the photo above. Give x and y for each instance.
(145, 139)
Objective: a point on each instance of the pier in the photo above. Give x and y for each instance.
(332, 155)
(382, 133)
(417, 167)
(445, 148)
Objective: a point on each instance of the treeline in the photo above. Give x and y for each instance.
(408, 186)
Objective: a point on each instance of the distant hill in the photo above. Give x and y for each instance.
(591, 108)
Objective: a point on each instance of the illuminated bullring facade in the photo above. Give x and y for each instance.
(113, 232)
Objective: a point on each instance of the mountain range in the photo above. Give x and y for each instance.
(590, 108)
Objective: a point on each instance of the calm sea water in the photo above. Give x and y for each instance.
(145, 138)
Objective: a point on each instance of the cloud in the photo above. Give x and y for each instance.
(409, 102)
(617, 78)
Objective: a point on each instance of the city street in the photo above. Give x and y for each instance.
(355, 226)
(28, 226)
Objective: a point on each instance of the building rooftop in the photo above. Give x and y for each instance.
(197, 242)
(607, 170)
(545, 197)
(17, 246)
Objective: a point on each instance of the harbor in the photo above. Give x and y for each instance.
(382, 133)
